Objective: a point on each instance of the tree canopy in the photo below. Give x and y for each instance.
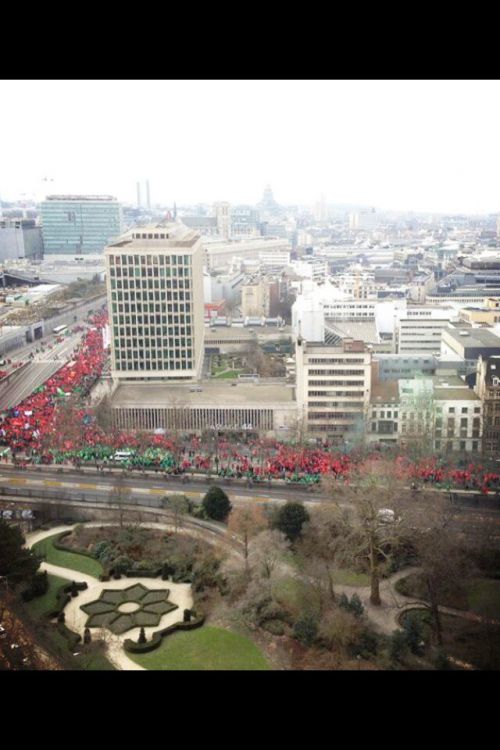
(290, 519)
(216, 504)
(17, 564)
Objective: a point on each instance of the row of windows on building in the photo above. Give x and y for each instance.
(160, 259)
(336, 372)
(352, 394)
(334, 361)
(155, 348)
(138, 364)
(143, 286)
(160, 332)
(142, 276)
(338, 382)
(335, 404)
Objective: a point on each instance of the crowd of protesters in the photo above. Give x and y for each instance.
(36, 430)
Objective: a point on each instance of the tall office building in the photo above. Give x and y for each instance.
(223, 216)
(78, 224)
(155, 298)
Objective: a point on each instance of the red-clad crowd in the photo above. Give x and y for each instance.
(34, 427)
(25, 426)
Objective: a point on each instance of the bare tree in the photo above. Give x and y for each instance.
(178, 506)
(322, 545)
(104, 414)
(378, 526)
(120, 496)
(267, 550)
(247, 522)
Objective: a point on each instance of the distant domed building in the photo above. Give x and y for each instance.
(268, 204)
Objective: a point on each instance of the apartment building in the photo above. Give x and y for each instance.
(488, 390)
(333, 388)
(419, 329)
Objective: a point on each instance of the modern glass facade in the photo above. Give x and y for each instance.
(79, 224)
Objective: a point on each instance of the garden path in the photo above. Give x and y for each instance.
(75, 619)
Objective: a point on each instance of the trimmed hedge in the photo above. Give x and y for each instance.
(143, 648)
(71, 637)
(63, 596)
(138, 573)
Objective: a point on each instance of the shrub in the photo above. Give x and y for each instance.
(275, 627)
(142, 636)
(39, 586)
(305, 630)
(414, 631)
(440, 660)
(339, 629)
(143, 648)
(187, 615)
(61, 617)
(74, 589)
(216, 504)
(398, 646)
(87, 637)
(366, 645)
(352, 605)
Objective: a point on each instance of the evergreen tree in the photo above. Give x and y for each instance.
(290, 519)
(17, 564)
(216, 504)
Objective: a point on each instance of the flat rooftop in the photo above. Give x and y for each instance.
(222, 394)
(385, 392)
(476, 337)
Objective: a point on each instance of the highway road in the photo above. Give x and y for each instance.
(473, 513)
(38, 370)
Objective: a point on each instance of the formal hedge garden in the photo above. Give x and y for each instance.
(110, 610)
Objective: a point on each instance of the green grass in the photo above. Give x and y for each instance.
(484, 597)
(72, 560)
(41, 605)
(206, 648)
(92, 659)
(346, 577)
(227, 374)
(480, 595)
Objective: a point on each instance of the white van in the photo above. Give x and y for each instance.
(122, 455)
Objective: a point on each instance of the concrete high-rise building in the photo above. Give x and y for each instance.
(223, 216)
(79, 224)
(320, 210)
(148, 197)
(20, 238)
(155, 299)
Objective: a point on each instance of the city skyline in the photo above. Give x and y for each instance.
(421, 146)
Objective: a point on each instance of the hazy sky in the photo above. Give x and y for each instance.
(405, 145)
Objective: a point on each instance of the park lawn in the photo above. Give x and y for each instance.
(92, 659)
(227, 374)
(345, 577)
(41, 605)
(206, 648)
(484, 597)
(74, 561)
(480, 595)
